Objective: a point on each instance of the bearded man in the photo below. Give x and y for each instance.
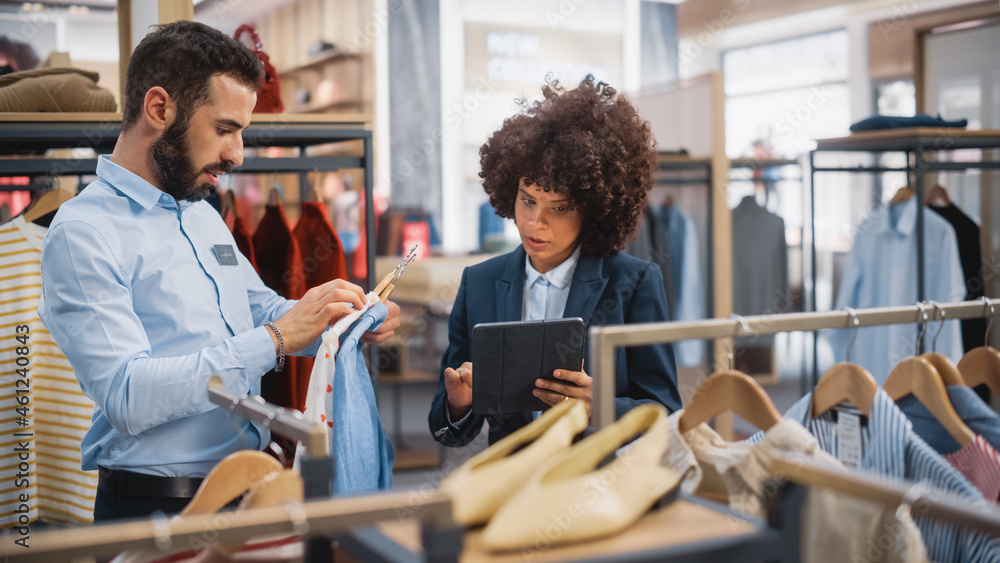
(144, 290)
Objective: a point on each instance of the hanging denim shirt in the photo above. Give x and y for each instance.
(341, 396)
(891, 449)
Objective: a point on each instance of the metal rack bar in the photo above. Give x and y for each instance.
(889, 493)
(605, 340)
(314, 519)
(276, 418)
(316, 466)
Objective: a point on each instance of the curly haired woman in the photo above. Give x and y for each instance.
(573, 171)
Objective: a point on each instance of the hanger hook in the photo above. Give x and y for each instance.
(746, 330)
(923, 328)
(940, 311)
(989, 319)
(855, 322)
(729, 352)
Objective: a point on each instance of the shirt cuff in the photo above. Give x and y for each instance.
(256, 349)
(457, 425)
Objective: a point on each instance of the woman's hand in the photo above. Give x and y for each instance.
(458, 384)
(553, 392)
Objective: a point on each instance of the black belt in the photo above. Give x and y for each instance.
(138, 485)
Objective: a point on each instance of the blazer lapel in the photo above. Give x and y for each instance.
(589, 282)
(510, 287)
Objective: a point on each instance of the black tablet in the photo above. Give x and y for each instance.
(508, 357)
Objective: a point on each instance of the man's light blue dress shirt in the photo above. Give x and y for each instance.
(137, 293)
(881, 272)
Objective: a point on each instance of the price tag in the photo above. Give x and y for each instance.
(849, 439)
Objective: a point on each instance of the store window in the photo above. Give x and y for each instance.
(780, 97)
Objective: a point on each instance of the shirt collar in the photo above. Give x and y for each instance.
(900, 219)
(129, 183)
(559, 276)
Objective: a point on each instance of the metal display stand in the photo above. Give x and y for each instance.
(916, 143)
(605, 340)
(26, 133)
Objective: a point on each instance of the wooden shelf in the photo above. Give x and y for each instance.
(931, 138)
(681, 522)
(313, 108)
(317, 61)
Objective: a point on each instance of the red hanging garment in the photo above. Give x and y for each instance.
(322, 261)
(280, 267)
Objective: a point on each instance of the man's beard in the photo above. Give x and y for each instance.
(173, 167)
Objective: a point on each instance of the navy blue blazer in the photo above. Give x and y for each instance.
(610, 290)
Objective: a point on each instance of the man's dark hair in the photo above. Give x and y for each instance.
(587, 144)
(181, 58)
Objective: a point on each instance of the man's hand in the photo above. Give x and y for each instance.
(388, 327)
(553, 392)
(319, 308)
(458, 384)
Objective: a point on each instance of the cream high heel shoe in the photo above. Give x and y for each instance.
(570, 499)
(479, 486)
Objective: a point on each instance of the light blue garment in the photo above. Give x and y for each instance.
(362, 453)
(976, 414)
(892, 450)
(881, 272)
(545, 294)
(690, 298)
(137, 297)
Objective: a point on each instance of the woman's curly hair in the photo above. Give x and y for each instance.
(587, 144)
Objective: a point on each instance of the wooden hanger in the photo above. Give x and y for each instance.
(47, 203)
(388, 283)
(917, 376)
(314, 195)
(949, 373)
(274, 196)
(938, 196)
(902, 195)
(733, 391)
(280, 488)
(231, 477)
(844, 381)
(981, 365)
(234, 475)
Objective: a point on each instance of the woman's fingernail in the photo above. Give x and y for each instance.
(536, 393)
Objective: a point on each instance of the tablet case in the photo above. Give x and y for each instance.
(508, 357)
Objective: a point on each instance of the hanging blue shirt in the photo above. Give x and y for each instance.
(148, 298)
(881, 272)
(976, 414)
(890, 448)
(362, 453)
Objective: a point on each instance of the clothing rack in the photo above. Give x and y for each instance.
(316, 466)
(316, 519)
(605, 340)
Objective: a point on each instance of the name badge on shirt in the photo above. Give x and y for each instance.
(226, 255)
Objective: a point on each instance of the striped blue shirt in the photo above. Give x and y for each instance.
(891, 449)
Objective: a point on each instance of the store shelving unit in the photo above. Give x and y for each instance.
(917, 144)
(35, 133)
